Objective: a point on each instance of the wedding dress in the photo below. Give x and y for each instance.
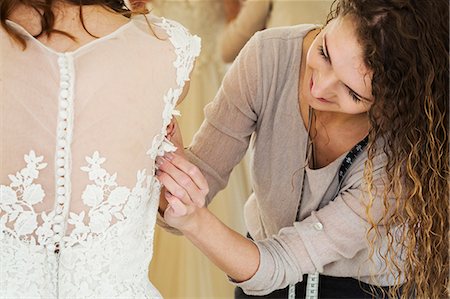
(79, 134)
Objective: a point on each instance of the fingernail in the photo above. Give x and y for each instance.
(159, 161)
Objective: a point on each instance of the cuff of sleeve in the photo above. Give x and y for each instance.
(312, 232)
(263, 274)
(284, 259)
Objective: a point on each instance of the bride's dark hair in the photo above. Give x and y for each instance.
(45, 10)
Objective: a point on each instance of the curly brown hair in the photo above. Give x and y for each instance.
(45, 9)
(405, 43)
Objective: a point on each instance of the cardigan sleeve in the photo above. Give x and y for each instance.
(333, 233)
(230, 120)
(252, 17)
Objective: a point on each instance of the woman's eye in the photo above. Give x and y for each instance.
(322, 53)
(354, 96)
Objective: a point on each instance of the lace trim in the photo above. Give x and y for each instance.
(187, 48)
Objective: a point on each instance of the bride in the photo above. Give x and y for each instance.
(88, 92)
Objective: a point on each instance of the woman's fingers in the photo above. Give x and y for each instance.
(185, 189)
(172, 187)
(190, 169)
(176, 208)
(183, 179)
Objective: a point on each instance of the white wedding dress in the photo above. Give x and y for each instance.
(79, 134)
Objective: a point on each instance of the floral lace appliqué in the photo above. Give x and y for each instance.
(17, 201)
(106, 200)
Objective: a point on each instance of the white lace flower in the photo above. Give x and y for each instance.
(118, 196)
(26, 223)
(96, 172)
(92, 195)
(31, 158)
(167, 146)
(33, 165)
(16, 180)
(44, 231)
(94, 169)
(7, 195)
(99, 222)
(195, 45)
(33, 194)
(176, 112)
(30, 171)
(95, 159)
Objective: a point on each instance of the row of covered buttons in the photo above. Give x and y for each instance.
(61, 153)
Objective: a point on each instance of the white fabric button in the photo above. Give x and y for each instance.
(61, 191)
(62, 143)
(65, 78)
(64, 93)
(61, 132)
(59, 209)
(63, 114)
(64, 84)
(61, 199)
(61, 153)
(63, 124)
(59, 219)
(60, 162)
(64, 71)
(64, 104)
(61, 171)
(61, 182)
(318, 226)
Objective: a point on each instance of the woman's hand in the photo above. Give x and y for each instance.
(173, 134)
(185, 189)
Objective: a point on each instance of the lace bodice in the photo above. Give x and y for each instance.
(80, 132)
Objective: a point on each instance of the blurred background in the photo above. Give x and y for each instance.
(178, 269)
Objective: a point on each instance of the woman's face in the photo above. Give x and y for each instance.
(339, 81)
